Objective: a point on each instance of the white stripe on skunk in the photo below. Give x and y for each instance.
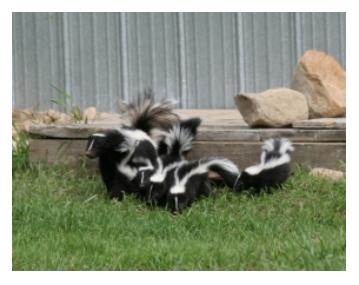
(202, 168)
(273, 169)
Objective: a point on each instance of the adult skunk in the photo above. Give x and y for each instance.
(273, 169)
(121, 153)
(124, 152)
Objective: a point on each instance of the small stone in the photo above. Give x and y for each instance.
(89, 113)
(272, 108)
(26, 125)
(54, 115)
(63, 119)
(323, 81)
(330, 174)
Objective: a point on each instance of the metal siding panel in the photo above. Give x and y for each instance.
(113, 61)
(43, 62)
(201, 59)
(342, 38)
(230, 57)
(30, 59)
(57, 58)
(288, 47)
(19, 90)
(152, 54)
(249, 57)
(210, 58)
(197, 59)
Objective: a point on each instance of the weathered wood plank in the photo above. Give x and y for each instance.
(217, 125)
(213, 133)
(242, 153)
(322, 123)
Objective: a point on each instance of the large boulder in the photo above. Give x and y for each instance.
(272, 108)
(323, 81)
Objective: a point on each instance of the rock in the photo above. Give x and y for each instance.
(26, 125)
(89, 113)
(323, 81)
(43, 117)
(20, 115)
(64, 119)
(334, 175)
(54, 115)
(273, 108)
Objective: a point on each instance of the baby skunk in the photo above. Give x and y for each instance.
(188, 181)
(121, 153)
(172, 150)
(273, 169)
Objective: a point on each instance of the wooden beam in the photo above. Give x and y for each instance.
(322, 123)
(206, 133)
(244, 154)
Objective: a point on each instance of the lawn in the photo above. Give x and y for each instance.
(62, 220)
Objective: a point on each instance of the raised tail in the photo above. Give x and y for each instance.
(150, 117)
(226, 169)
(273, 169)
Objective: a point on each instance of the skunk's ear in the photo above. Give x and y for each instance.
(191, 124)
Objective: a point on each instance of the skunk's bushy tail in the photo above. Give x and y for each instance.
(273, 169)
(226, 169)
(178, 140)
(149, 116)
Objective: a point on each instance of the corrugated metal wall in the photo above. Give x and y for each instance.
(200, 59)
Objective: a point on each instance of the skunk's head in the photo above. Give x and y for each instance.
(178, 140)
(118, 143)
(100, 143)
(275, 148)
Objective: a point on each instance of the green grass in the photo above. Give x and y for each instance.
(63, 221)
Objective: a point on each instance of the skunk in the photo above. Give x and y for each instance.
(125, 152)
(121, 153)
(273, 169)
(176, 143)
(188, 181)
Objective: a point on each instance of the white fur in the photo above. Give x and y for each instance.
(98, 135)
(124, 168)
(184, 136)
(179, 186)
(285, 146)
(160, 175)
(91, 145)
(137, 135)
(149, 165)
(254, 170)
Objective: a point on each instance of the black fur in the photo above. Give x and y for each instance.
(112, 148)
(274, 150)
